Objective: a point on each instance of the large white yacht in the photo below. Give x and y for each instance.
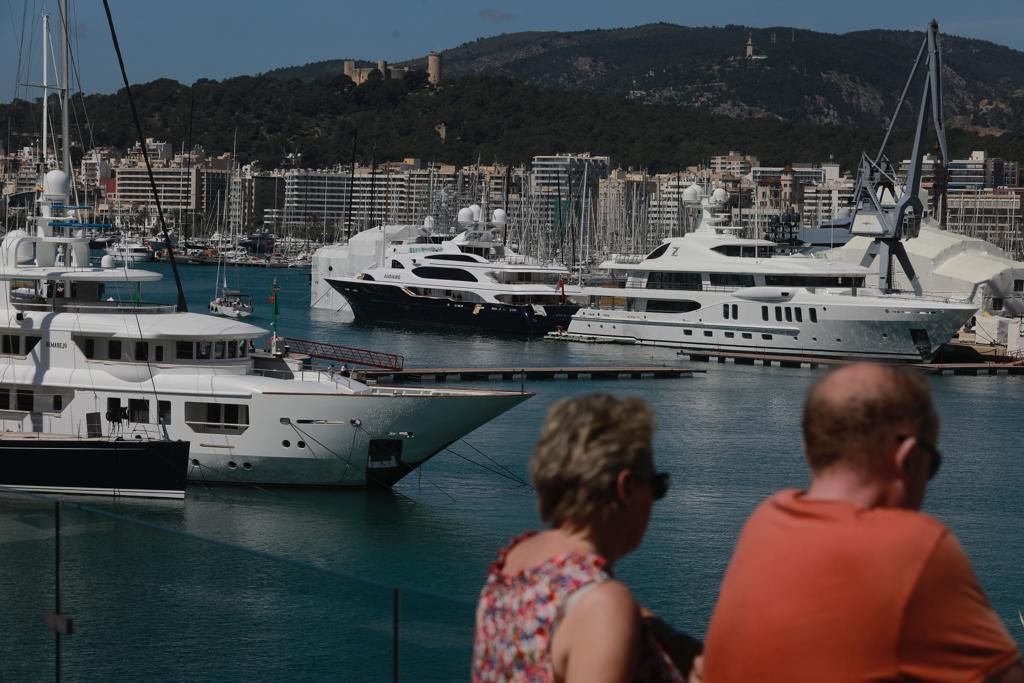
(76, 360)
(472, 279)
(713, 290)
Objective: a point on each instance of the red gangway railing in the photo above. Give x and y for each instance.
(345, 354)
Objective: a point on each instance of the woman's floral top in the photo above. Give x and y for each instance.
(518, 613)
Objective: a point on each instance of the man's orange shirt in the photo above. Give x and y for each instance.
(829, 591)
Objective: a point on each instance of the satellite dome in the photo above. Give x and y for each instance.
(692, 194)
(56, 185)
(720, 195)
(428, 222)
(24, 246)
(107, 261)
(477, 212)
(499, 217)
(465, 216)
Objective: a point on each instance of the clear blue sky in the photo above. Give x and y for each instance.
(190, 39)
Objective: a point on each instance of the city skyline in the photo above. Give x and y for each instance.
(233, 38)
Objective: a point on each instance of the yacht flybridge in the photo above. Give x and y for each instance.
(470, 279)
(75, 360)
(712, 290)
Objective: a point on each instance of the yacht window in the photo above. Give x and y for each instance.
(764, 313)
(217, 418)
(735, 312)
(789, 314)
(203, 350)
(725, 311)
(813, 281)
(114, 349)
(436, 273)
(90, 348)
(138, 410)
(671, 306)
(465, 258)
(397, 264)
(707, 333)
(30, 343)
(159, 352)
(674, 280)
(778, 314)
(243, 348)
(141, 350)
(997, 303)
(688, 333)
(659, 251)
(184, 350)
(11, 344)
(163, 410)
(232, 348)
(766, 336)
(814, 315)
(1018, 285)
(732, 280)
(221, 352)
(747, 335)
(730, 335)
(58, 403)
(24, 398)
(799, 315)
(113, 410)
(5, 398)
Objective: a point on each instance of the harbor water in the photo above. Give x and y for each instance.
(729, 437)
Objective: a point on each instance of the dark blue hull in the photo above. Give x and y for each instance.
(380, 302)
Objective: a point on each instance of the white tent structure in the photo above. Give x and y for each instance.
(953, 266)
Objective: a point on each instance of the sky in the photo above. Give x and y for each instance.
(191, 39)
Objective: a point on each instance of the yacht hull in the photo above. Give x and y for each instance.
(129, 468)
(386, 303)
(907, 332)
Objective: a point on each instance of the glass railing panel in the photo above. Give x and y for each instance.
(154, 604)
(27, 645)
(435, 637)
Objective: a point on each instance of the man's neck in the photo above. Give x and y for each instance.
(848, 487)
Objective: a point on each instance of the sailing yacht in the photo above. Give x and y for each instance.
(471, 279)
(712, 290)
(77, 360)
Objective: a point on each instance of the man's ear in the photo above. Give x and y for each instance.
(901, 456)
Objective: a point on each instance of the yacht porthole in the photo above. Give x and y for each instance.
(301, 444)
(232, 465)
(286, 443)
(246, 465)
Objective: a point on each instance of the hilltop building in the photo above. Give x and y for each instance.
(360, 75)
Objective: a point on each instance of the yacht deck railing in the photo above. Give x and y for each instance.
(60, 306)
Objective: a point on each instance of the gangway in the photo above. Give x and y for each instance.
(344, 354)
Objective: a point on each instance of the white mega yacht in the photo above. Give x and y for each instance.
(132, 251)
(471, 279)
(713, 290)
(75, 360)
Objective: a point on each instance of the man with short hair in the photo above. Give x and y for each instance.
(847, 580)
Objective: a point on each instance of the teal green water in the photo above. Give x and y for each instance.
(154, 605)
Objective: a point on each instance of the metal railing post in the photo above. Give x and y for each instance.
(395, 639)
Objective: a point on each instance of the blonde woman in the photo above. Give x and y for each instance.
(551, 609)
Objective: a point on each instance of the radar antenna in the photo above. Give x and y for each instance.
(883, 208)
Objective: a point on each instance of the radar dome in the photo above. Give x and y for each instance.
(465, 216)
(499, 217)
(428, 222)
(24, 246)
(107, 261)
(477, 211)
(692, 194)
(56, 185)
(720, 195)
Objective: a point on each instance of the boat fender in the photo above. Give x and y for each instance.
(477, 309)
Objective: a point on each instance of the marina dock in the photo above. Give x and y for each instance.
(518, 374)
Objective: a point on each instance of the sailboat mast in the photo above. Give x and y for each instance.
(65, 88)
(46, 93)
